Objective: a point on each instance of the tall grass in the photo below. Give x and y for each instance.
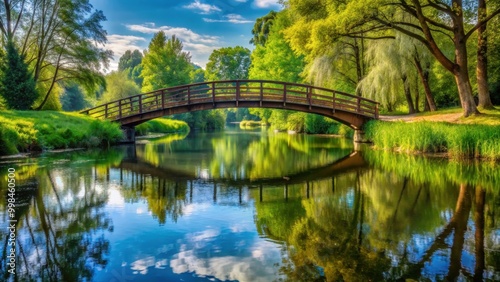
(162, 125)
(460, 141)
(26, 131)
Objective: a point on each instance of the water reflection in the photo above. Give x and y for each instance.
(221, 207)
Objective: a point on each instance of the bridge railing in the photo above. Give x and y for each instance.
(237, 91)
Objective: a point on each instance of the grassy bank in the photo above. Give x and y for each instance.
(459, 141)
(162, 125)
(28, 131)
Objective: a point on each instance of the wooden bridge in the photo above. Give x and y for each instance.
(346, 108)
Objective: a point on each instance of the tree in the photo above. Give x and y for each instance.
(262, 28)
(17, 84)
(60, 40)
(228, 63)
(197, 74)
(165, 64)
(425, 21)
(276, 60)
(119, 86)
(483, 92)
(130, 63)
(73, 98)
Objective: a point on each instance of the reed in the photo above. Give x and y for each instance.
(459, 141)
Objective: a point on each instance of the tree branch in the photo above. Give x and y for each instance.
(481, 23)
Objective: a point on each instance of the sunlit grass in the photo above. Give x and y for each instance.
(459, 141)
(25, 131)
(162, 125)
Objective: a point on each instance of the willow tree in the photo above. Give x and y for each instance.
(397, 66)
(60, 40)
(333, 60)
(423, 20)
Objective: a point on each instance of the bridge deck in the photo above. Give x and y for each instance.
(349, 109)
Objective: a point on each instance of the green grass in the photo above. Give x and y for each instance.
(162, 125)
(27, 131)
(251, 123)
(459, 141)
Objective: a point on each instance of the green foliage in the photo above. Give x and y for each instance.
(197, 75)
(17, 86)
(63, 40)
(295, 121)
(458, 140)
(315, 124)
(130, 63)
(165, 64)
(119, 86)
(105, 132)
(204, 120)
(73, 98)
(276, 60)
(161, 125)
(25, 131)
(228, 63)
(239, 114)
(8, 140)
(262, 28)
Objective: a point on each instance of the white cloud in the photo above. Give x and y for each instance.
(199, 45)
(230, 18)
(182, 33)
(202, 8)
(267, 3)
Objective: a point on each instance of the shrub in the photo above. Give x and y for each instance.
(161, 125)
(105, 131)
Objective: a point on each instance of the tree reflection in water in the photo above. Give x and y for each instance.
(386, 225)
(401, 218)
(60, 229)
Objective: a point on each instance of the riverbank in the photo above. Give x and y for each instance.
(36, 131)
(24, 132)
(443, 132)
(162, 125)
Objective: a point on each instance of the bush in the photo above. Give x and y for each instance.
(161, 125)
(8, 141)
(105, 131)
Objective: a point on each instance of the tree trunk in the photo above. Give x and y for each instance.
(424, 77)
(465, 92)
(460, 71)
(460, 218)
(417, 96)
(479, 234)
(409, 100)
(482, 61)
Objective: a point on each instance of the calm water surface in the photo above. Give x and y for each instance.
(251, 206)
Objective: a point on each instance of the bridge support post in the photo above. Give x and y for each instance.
(359, 136)
(128, 134)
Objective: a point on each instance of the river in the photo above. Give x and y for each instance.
(250, 205)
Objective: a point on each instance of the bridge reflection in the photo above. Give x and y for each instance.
(137, 175)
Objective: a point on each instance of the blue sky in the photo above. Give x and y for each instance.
(202, 25)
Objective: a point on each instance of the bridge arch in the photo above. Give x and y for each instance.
(348, 109)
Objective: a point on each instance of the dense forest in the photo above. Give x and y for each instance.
(409, 56)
